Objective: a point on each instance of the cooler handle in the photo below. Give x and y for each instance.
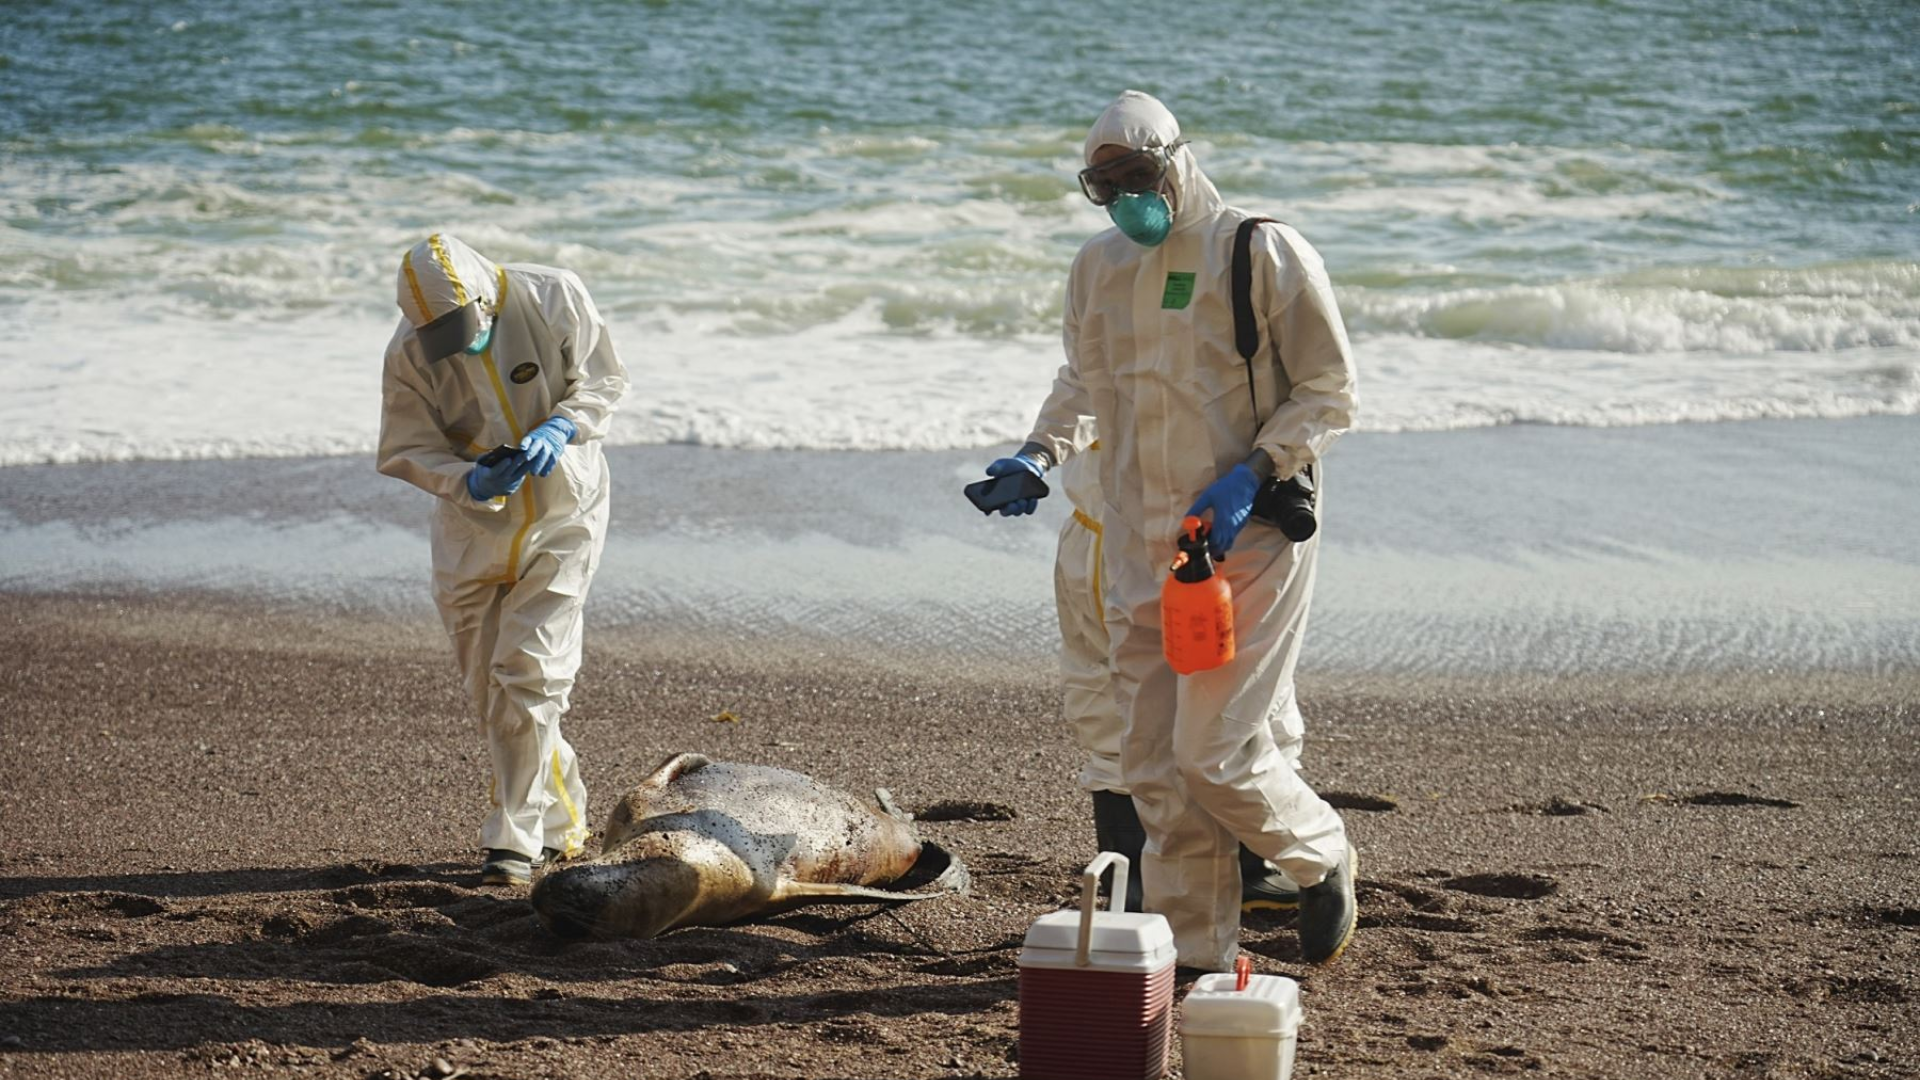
(1089, 896)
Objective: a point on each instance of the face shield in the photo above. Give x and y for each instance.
(1130, 174)
(455, 331)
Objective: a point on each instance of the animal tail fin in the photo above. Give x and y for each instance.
(892, 809)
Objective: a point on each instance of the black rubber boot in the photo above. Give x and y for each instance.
(1262, 888)
(1329, 912)
(1116, 827)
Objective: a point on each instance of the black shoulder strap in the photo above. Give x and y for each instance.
(1246, 329)
(1246, 325)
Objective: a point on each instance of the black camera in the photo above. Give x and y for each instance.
(1288, 505)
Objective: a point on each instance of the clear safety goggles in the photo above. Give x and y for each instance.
(455, 330)
(1129, 174)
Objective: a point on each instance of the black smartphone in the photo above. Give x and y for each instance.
(997, 491)
(498, 454)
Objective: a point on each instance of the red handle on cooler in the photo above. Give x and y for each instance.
(1242, 973)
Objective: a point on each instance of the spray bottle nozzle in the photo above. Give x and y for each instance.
(1193, 563)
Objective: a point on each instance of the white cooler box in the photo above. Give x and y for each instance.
(1234, 1032)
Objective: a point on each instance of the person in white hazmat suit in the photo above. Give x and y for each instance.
(1150, 356)
(515, 357)
(1086, 682)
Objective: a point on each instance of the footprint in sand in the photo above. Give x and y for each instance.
(966, 810)
(84, 904)
(1504, 886)
(1563, 940)
(1503, 1059)
(1418, 920)
(1579, 933)
(969, 967)
(394, 895)
(1559, 807)
(429, 964)
(359, 873)
(1348, 800)
(1868, 989)
(1734, 800)
(1905, 916)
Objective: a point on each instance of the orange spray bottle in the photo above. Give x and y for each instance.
(1196, 606)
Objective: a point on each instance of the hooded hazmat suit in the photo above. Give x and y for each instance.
(510, 574)
(1153, 362)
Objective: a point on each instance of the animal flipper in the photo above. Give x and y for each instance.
(674, 767)
(794, 894)
(937, 873)
(636, 805)
(888, 806)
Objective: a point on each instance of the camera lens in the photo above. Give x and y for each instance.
(1298, 524)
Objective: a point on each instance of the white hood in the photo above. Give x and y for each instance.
(441, 273)
(1137, 121)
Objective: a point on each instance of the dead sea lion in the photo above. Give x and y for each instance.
(707, 843)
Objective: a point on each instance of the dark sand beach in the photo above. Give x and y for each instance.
(1632, 768)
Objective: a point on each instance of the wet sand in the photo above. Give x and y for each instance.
(240, 786)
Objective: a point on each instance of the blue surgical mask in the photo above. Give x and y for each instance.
(479, 344)
(1145, 217)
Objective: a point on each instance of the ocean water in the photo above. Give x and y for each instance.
(843, 225)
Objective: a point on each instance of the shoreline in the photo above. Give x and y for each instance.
(1787, 546)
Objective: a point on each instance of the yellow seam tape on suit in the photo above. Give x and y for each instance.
(413, 282)
(1099, 539)
(440, 255)
(559, 782)
(1099, 556)
(513, 424)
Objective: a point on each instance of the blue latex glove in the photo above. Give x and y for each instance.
(501, 478)
(1009, 465)
(1231, 500)
(543, 445)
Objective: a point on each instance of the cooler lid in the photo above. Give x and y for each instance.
(1131, 933)
(1270, 1005)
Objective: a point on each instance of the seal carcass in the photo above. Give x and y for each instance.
(707, 843)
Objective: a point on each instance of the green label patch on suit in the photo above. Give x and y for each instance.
(1179, 290)
(524, 373)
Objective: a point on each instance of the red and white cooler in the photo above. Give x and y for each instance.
(1096, 989)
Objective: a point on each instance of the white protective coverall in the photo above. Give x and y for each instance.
(1086, 666)
(510, 574)
(1157, 370)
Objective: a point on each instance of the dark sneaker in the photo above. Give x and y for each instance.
(506, 868)
(1262, 888)
(1328, 912)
